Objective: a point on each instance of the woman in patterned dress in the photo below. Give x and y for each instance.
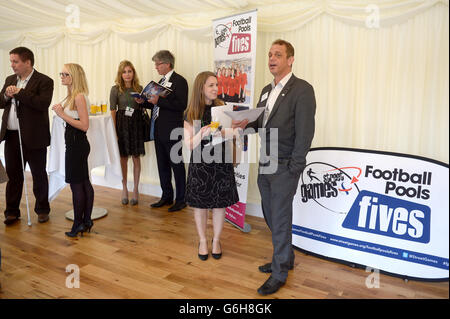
(128, 120)
(210, 183)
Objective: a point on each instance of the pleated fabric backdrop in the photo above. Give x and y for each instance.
(380, 88)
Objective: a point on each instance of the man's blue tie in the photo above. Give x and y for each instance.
(155, 114)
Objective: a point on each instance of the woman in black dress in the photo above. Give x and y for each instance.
(128, 120)
(210, 183)
(75, 113)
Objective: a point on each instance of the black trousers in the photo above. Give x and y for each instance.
(165, 167)
(37, 160)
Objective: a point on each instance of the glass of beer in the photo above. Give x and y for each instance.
(93, 109)
(99, 108)
(104, 107)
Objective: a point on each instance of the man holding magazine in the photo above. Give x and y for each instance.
(167, 115)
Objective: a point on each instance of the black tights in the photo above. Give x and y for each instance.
(83, 201)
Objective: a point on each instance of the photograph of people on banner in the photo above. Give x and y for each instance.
(233, 77)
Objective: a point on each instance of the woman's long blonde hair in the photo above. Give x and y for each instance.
(121, 83)
(196, 105)
(79, 84)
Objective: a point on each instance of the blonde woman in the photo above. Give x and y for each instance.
(74, 112)
(210, 184)
(127, 115)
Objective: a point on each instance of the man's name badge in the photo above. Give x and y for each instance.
(264, 96)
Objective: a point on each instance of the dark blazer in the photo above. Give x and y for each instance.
(293, 115)
(32, 111)
(171, 108)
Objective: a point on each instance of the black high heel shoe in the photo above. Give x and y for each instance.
(88, 225)
(75, 230)
(216, 256)
(202, 257)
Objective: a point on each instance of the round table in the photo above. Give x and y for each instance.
(104, 152)
(97, 212)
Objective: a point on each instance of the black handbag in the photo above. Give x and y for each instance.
(147, 124)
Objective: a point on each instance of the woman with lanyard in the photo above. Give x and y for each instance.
(127, 116)
(211, 184)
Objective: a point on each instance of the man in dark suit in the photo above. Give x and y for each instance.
(25, 98)
(167, 115)
(287, 129)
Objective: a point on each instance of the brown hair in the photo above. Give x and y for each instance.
(289, 47)
(119, 80)
(24, 54)
(196, 105)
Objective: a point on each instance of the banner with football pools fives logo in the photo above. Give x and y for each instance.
(234, 65)
(387, 211)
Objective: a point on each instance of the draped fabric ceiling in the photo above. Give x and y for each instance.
(43, 22)
(379, 68)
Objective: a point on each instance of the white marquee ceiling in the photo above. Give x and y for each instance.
(26, 14)
(21, 15)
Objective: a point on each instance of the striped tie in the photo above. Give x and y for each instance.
(155, 114)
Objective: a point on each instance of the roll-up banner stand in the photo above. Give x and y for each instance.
(234, 63)
(387, 211)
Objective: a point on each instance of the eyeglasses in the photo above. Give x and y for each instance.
(63, 75)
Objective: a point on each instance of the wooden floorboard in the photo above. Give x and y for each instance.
(145, 253)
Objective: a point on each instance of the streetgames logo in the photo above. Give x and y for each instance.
(233, 36)
(333, 188)
(222, 35)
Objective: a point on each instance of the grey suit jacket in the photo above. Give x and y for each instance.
(293, 115)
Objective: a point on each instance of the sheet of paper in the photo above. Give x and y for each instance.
(218, 113)
(251, 114)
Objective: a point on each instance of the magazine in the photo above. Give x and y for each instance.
(152, 88)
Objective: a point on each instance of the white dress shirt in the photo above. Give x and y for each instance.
(12, 116)
(273, 96)
(167, 78)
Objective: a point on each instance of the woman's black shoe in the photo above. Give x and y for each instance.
(216, 256)
(88, 225)
(75, 230)
(202, 257)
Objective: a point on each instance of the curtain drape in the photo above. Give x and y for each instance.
(381, 88)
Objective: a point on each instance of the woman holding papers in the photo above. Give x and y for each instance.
(75, 113)
(128, 119)
(210, 182)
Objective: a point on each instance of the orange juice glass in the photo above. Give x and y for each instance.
(214, 125)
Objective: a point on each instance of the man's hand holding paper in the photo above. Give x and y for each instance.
(250, 115)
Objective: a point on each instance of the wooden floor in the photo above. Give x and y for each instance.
(139, 252)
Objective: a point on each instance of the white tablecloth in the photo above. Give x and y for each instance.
(104, 152)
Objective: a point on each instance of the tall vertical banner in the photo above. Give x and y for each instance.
(387, 211)
(234, 64)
